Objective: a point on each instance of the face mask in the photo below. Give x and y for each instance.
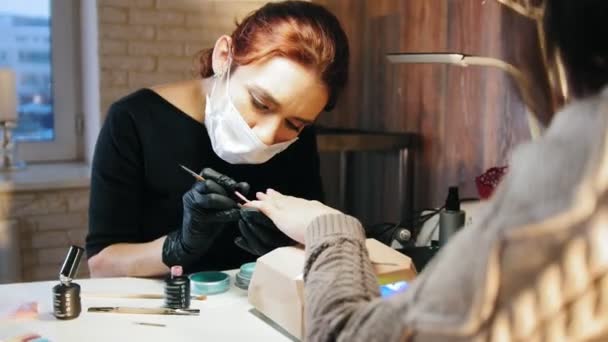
(231, 137)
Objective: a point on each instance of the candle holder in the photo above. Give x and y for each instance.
(8, 148)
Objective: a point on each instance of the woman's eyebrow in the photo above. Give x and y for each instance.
(264, 95)
(268, 99)
(303, 121)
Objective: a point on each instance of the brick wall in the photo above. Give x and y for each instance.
(148, 42)
(47, 222)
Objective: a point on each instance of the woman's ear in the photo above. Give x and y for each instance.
(220, 59)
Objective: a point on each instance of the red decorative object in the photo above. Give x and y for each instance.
(488, 181)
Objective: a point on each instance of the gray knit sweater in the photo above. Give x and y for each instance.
(534, 267)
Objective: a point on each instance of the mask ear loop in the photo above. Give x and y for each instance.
(219, 76)
(215, 78)
(228, 77)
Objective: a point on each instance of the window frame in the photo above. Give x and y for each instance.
(66, 85)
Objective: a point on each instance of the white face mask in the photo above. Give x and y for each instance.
(231, 137)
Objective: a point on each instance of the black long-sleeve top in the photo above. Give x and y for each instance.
(137, 184)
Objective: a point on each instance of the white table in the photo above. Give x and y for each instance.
(223, 317)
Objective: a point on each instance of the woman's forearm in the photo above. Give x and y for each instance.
(339, 280)
(129, 260)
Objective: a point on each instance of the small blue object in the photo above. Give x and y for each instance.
(208, 283)
(243, 277)
(390, 290)
(247, 270)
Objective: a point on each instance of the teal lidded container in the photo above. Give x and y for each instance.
(209, 282)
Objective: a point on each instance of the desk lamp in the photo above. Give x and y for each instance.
(552, 63)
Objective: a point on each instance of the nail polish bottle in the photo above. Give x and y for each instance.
(177, 289)
(66, 294)
(451, 219)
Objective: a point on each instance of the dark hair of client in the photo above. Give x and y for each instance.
(579, 30)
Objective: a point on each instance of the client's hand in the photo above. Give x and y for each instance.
(291, 215)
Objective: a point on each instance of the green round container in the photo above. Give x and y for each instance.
(209, 282)
(243, 277)
(247, 269)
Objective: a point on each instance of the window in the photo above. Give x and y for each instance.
(33, 80)
(35, 57)
(39, 46)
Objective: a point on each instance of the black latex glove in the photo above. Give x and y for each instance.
(208, 207)
(259, 235)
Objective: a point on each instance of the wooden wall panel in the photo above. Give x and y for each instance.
(420, 106)
(352, 18)
(465, 98)
(469, 119)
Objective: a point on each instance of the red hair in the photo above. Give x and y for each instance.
(304, 32)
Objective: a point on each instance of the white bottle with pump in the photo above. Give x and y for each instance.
(451, 219)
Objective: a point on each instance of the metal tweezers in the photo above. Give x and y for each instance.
(145, 311)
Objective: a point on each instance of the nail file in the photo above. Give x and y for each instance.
(145, 311)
